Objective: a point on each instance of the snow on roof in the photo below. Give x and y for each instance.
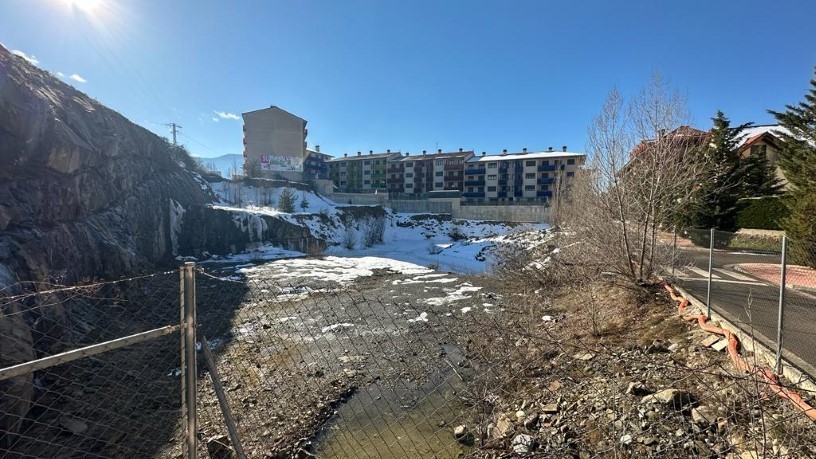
(444, 154)
(749, 134)
(362, 156)
(529, 155)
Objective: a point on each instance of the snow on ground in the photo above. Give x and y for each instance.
(336, 269)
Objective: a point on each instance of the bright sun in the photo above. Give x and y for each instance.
(85, 5)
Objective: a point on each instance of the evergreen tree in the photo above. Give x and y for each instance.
(759, 177)
(286, 202)
(797, 158)
(304, 202)
(716, 205)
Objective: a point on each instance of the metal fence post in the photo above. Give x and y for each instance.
(188, 358)
(710, 263)
(781, 316)
(674, 251)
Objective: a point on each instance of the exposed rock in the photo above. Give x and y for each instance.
(550, 408)
(626, 439)
(637, 389)
(218, 447)
(674, 398)
(503, 428)
(73, 425)
(704, 416)
(523, 444)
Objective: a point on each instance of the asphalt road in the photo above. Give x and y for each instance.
(753, 304)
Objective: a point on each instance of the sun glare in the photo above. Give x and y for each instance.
(85, 5)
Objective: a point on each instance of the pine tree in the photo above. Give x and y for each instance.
(304, 202)
(719, 194)
(286, 202)
(797, 158)
(759, 177)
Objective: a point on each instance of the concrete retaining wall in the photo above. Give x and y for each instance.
(533, 214)
(420, 207)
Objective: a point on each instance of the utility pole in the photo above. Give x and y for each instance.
(174, 128)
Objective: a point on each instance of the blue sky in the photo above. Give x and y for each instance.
(414, 75)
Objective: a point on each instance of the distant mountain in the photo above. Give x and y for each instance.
(225, 164)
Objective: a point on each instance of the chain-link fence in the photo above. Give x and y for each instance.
(739, 276)
(90, 371)
(365, 357)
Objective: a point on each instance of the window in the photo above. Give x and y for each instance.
(440, 162)
(571, 162)
(570, 174)
(492, 165)
(409, 185)
(530, 163)
(409, 174)
(530, 175)
(367, 162)
(491, 177)
(529, 187)
(491, 188)
(470, 189)
(342, 183)
(409, 164)
(376, 162)
(438, 185)
(367, 172)
(759, 150)
(439, 173)
(367, 182)
(481, 189)
(545, 187)
(545, 175)
(342, 174)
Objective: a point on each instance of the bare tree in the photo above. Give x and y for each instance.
(644, 167)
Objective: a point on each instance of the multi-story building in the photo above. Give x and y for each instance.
(274, 143)
(519, 177)
(361, 173)
(429, 172)
(315, 165)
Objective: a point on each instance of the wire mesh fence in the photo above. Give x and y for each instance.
(739, 275)
(346, 358)
(69, 389)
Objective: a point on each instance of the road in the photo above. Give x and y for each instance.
(750, 302)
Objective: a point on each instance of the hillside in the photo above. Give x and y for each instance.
(224, 164)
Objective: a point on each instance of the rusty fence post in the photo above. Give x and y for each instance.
(188, 358)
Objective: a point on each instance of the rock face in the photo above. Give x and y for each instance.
(83, 191)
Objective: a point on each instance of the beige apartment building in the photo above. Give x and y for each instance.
(274, 143)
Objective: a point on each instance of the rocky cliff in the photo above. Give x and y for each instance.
(83, 191)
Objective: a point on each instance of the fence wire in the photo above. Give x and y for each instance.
(351, 358)
(119, 403)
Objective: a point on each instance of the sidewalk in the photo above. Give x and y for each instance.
(796, 276)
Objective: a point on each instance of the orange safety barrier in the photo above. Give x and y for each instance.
(733, 352)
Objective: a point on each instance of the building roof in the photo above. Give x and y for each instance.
(270, 108)
(754, 133)
(528, 155)
(431, 156)
(363, 157)
(317, 153)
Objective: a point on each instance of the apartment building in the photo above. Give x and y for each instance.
(315, 165)
(274, 143)
(429, 172)
(532, 177)
(361, 173)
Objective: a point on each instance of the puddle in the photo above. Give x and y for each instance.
(399, 419)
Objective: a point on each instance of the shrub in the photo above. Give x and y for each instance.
(350, 240)
(762, 213)
(373, 231)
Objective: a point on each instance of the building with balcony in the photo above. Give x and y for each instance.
(274, 143)
(315, 165)
(440, 171)
(361, 173)
(527, 177)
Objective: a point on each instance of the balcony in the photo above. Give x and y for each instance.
(545, 181)
(395, 180)
(473, 194)
(474, 183)
(546, 167)
(475, 171)
(395, 170)
(545, 193)
(454, 167)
